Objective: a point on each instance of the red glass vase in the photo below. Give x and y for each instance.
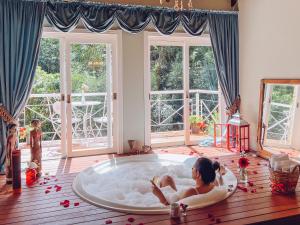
(30, 176)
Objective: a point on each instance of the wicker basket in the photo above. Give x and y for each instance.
(284, 182)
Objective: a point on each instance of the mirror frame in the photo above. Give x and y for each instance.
(261, 151)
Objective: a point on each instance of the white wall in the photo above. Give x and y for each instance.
(133, 88)
(269, 48)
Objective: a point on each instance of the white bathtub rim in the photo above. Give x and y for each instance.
(79, 191)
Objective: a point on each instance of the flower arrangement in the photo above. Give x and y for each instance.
(183, 208)
(243, 164)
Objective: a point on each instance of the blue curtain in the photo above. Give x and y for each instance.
(225, 43)
(20, 32)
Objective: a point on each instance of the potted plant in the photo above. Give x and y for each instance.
(197, 124)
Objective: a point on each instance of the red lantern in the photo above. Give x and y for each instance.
(238, 134)
(30, 176)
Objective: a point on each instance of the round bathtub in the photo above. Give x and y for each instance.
(123, 183)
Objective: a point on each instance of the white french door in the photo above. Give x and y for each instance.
(91, 95)
(177, 89)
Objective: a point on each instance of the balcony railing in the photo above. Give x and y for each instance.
(166, 111)
(167, 108)
(279, 122)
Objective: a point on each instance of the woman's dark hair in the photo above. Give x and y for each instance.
(207, 169)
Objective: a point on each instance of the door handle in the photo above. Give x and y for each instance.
(68, 98)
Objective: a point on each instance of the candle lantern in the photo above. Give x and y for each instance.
(238, 134)
(16, 169)
(31, 173)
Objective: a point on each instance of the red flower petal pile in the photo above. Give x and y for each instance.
(47, 191)
(76, 203)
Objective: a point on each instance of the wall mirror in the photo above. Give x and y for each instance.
(279, 118)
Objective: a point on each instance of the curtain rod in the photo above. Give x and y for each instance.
(141, 6)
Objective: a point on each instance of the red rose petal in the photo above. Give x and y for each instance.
(232, 161)
(45, 182)
(76, 204)
(258, 164)
(108, 222)
(56, 180)
(49, 187)
(65, 203)
(216, 158)
(255, 172)
(130, 219)
(250, 183)
(58, 188)
(191, 153)
(41, 183)
(47, 191)
(244, 189)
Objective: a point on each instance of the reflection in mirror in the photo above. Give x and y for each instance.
(280, 122)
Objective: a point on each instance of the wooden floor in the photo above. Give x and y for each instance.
(34, 206)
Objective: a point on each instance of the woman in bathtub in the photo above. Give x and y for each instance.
(204, 174)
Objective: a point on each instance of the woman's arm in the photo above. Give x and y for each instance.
(157, 192)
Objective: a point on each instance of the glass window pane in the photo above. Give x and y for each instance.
(202, 68)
